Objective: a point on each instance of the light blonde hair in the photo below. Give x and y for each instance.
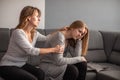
(72, 42)
(23, 19)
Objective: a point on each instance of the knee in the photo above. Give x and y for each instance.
(81, 64)
(41, 75)
(84, 64)
(73, 70)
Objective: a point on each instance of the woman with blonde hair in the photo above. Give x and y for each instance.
(13, 65)
(71, 65)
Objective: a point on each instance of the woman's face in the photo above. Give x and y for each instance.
(35, 19)
(78, 33)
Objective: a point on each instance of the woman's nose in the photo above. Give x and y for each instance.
(79, 34)
(38, 19)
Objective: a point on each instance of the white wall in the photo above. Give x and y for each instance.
(10, 10)
(98, 14)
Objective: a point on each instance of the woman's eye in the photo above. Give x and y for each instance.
(82, 34)
(80, 31)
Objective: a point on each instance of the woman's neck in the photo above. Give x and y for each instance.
(28, 29)
(67, 34)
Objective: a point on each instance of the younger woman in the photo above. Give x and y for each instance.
(60, 66)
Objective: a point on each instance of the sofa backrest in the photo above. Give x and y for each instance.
(101, 43)
(4, 40)
(115, 53)
(95, 47)
(109, 41)
(48, 31)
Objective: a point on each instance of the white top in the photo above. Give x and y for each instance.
(19, 48)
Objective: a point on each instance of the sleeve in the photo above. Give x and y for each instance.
(77, 50)
(59, 58)
(22, 42)
(41, 37)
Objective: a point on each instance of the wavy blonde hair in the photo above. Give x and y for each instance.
(25, 13)
(72, 42)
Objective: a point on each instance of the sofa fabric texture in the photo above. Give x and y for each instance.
(103, 54)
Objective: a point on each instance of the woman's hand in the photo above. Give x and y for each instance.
(59, 49)
(83, 59)
(85, 32)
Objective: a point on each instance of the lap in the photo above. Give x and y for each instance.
(15, 73)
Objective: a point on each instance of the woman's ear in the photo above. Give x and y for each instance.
(28, 18)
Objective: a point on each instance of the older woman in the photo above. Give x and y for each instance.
(13, 65)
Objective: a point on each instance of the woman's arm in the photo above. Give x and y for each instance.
(57, 49)
(20, 39)
(41, 37)
(77, 50)
(59, 59)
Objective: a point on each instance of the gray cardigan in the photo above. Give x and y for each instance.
(19, 48)
(55, 65)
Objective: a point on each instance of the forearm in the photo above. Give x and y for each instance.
(46, 50)
(77, 50)
(73, 60)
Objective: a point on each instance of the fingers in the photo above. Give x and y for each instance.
(59, 49)
(83, 59)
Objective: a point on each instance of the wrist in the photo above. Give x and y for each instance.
(53, 50)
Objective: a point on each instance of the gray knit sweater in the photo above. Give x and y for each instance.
(19, 48)
(54, 65)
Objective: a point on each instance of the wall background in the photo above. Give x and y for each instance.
(10, 10)
(98, 14)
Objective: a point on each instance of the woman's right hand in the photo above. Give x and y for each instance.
(59, 49)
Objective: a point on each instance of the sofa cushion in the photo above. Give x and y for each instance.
(115, 57)
(95, 40)
(108, 75)
(4, 38)
(48, 31)
(96, 56)
(2, 54)
(109, 41)
(90, 76)
(115, 54)
(98, 67)
(95, 47)
(117, 44)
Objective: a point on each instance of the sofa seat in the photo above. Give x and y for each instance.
(109, 75)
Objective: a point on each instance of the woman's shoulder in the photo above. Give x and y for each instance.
(58, 35)
(17, 32)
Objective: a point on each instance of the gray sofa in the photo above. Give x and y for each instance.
(103, 54)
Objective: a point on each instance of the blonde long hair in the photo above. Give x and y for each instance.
(72, 42)
(23, 19)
